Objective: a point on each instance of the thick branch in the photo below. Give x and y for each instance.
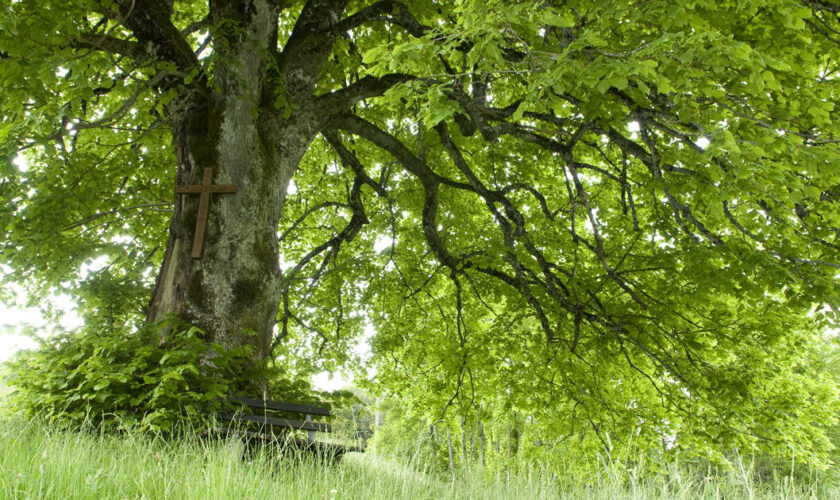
(362, 128)
(150, 23)
(341, 100)
(309, 45)
(386, 11)
(111, 44)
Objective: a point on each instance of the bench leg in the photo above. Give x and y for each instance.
(310, 435)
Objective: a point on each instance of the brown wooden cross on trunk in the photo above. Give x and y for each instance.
(204, 189)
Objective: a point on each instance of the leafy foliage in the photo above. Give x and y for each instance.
(610, 218)
(119, 378)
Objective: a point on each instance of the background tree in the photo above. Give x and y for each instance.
(628, 211)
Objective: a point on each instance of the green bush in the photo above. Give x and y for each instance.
(117, 377)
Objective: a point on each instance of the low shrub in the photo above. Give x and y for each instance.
(117, 377)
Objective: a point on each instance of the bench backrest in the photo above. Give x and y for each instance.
(264, 404)
(267, 420)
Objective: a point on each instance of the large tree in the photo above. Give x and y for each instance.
(582, 194)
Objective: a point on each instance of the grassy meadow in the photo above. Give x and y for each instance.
(38, 461)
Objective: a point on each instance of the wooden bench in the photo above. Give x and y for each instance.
(261, 421)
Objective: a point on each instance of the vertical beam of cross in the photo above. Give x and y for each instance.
(204, 190)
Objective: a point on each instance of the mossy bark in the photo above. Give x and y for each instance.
(233, 291)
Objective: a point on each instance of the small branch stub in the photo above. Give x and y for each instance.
(204, 190)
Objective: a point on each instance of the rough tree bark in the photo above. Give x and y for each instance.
(234, 290)
(253, 124)
(234, 287)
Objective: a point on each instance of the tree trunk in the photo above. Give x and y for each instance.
(233, 290)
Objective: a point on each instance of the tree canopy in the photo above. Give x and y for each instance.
(607, 215)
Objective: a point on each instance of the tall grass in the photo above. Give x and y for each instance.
(40, 461)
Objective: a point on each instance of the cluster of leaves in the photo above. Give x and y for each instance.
(407, 437)
(118, 377)
(676, 254)
(105, 199)
(352, 415)
(502, 436)
(777, 398)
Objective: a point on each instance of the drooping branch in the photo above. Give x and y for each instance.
(332, 246)
(511, 223)
(307, 213)
(392, 145)
(494, 122)
(350, 160)
(387, 11)
(125, 107)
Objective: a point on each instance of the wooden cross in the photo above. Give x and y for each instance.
(204, 189)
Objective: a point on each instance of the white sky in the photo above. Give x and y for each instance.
(14, 319)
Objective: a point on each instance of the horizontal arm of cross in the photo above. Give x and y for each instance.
(198, 188)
